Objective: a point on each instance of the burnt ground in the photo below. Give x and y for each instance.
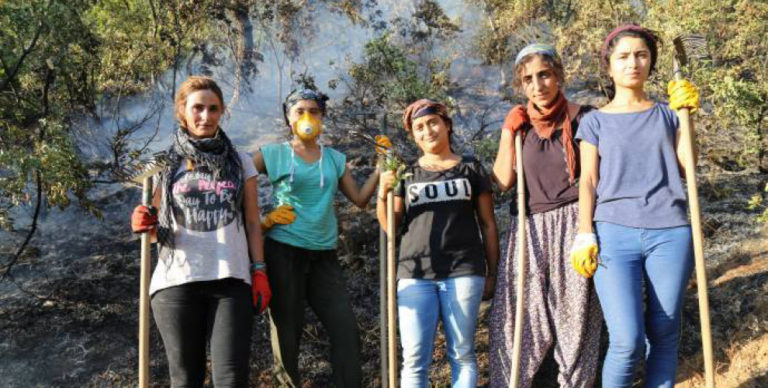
(69, 315)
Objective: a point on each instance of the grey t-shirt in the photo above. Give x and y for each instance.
(639, 183)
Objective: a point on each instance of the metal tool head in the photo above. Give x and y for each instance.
(364, 136)
(691, 46)
(137, 172)
(372, 141)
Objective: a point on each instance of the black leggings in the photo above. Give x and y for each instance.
(218, 312)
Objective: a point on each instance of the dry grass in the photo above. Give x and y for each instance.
(739, 307)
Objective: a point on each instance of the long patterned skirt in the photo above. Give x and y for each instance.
(562, 309)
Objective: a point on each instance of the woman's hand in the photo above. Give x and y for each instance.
(516, 119)
(490, 286)
(683, 94)
(282, 215)
(261, 291)
(584, 254)
(143, 219)
(386, 181)
(504, 165)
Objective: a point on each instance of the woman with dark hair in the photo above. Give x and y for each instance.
(302, 235)
(632, 194)
(210, 275)
(561, 307)
(448, 251)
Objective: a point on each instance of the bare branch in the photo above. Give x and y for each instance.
(6, 268)
(27, 51)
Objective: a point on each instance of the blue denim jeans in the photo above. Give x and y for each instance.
(420, 303)
(661, 260)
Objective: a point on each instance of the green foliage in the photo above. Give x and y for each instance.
(486, 149)
(395, 163)
(398, 67)
(733, 80)
(757, 202)
(132, 45)
(51, 164)
(393, 80)
(60, 59)
(46, 63)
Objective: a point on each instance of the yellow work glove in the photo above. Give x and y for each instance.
(683, 94)
(584, 254)
(383, 144)
(283, 214)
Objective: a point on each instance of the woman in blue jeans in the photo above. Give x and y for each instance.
(631, 187)
(444, 205)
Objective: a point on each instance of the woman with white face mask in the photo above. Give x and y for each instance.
(301, 240)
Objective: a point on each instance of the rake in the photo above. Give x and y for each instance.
(144, 177)
(695, 47)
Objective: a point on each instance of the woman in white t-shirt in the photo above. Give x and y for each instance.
(204, 287)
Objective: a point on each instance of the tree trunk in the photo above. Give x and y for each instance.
(244, 51)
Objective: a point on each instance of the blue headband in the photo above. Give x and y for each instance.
(535, 48)
(427, 110)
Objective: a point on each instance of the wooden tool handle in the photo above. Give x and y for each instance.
(698, 239)
(146, 242)
(522, 268)
(391, 291)
(383, 312)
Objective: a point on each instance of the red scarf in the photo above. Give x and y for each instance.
(546, 120)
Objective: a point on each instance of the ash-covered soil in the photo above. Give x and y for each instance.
(68, 316)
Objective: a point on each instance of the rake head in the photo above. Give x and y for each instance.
(137, 173)
(687, 47)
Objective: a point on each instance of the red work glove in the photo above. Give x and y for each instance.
(261, 291)
(143, 219)
(516, 119)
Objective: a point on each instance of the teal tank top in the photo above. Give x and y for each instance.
(310, 189)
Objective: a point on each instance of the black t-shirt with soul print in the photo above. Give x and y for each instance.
(441, 236)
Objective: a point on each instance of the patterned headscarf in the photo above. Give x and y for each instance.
(304, 94)
(535, 48)
(425, 107)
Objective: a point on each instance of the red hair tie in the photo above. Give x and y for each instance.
(617, 31)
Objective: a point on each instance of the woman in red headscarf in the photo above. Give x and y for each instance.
(561, 306)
